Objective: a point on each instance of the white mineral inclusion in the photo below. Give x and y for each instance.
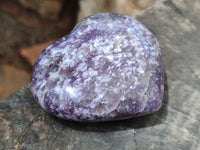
(108, 68)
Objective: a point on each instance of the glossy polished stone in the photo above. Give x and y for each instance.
(108, 68)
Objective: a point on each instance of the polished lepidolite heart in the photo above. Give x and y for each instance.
(108, 68)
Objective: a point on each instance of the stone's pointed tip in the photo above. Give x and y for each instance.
(108, 68)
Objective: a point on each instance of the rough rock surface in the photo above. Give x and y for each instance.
(108, 68)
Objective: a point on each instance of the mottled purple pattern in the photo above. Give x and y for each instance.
(108, 68)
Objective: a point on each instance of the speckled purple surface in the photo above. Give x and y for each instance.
(108, 68)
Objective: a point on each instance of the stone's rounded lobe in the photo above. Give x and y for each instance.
(108, 68)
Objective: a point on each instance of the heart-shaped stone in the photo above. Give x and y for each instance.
(108, 68)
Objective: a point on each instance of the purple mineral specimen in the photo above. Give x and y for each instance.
(108, 68)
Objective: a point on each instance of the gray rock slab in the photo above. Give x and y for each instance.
(176, 24)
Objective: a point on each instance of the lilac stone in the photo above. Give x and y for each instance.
(108, 68)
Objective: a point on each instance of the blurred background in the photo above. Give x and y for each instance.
(28, 26)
